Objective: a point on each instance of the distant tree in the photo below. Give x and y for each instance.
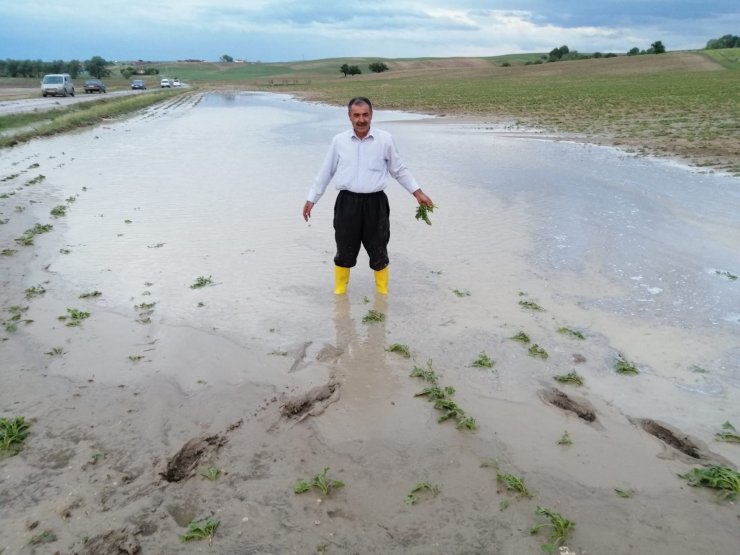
(726, 41)
(633, 51)
(74, 67)
(354, 70)
(378, 67)
(657, 47)
(558, 53)
(127, 72)
(97, 67)
(344, 69)
(226, 58)
(610, 55)
(598, 54)
(506, 64)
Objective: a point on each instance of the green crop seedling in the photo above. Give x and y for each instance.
(427, 374)
(622, 366)
(201, 281)
(538, 352)
(212, 473)
(400, 349)
(722, 478)
(570, 377)
(565, 439)
(513, 483)
(201, 530)
(521, 337)
(373, 316)
(561, 528)
(13, 431)
(729, 434)
(571, 333)
(414, 496)
(483, 361)
(320, 481)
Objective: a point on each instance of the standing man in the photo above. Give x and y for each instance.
(359, 161)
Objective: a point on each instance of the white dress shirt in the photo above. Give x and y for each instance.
(361, 165)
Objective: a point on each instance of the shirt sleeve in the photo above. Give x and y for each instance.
(326, 172)
(397, 168)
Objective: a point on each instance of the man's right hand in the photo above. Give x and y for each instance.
(307, 210)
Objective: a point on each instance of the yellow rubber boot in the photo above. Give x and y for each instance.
(381, 281)
(341, 279)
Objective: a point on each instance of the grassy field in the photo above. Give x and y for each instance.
(671, 104)
(679, 103)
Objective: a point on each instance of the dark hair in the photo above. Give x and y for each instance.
(359, 100)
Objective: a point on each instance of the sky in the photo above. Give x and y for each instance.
(291, 30)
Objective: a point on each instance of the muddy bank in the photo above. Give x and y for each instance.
(263, 375)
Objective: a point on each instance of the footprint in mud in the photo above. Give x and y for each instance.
(581, 407)
(121, 542)
(187, 459)
(311, 403)
(693, 448)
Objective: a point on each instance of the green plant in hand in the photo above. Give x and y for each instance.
(320, 481)
(423, 211)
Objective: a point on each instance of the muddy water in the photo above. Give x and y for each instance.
(637, 254)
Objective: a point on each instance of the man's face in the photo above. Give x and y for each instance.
(360, 115)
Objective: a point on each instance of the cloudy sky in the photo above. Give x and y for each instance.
(288, 30)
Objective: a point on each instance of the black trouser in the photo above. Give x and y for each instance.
(362, 218)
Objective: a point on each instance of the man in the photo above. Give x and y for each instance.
(359, 161)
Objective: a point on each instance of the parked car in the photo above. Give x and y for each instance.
(165, 83)
(138, 84)
(57, 83)
(95, 85)
(176, 82)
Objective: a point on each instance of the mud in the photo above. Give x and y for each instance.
(580, 407)
(269, 358)
(194, 453)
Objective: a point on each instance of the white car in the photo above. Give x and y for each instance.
(165, 83)
(176, 83)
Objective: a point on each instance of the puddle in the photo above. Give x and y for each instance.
(212, 187)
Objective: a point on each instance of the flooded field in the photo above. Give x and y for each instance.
(594, 254)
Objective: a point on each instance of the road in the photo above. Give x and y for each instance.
(41, 104)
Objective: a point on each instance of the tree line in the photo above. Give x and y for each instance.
(95, 67)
